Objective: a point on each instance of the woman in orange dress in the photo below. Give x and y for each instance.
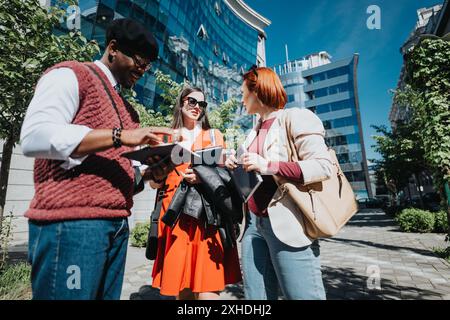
(191, 262)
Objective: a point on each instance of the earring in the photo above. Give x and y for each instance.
(110, 58)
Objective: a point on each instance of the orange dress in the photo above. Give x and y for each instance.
(189, 255)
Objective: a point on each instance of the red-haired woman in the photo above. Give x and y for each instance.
(275, 249)
(191, 262)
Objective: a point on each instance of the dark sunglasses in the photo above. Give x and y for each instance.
(193, 102)
(138, 62)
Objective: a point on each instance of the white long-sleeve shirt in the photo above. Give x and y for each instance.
(47, 131)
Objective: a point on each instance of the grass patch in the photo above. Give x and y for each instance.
(139, 234)
(15, 283)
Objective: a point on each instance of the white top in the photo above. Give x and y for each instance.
(189, 136)
(47, 131)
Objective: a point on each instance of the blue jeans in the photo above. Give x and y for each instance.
(269, 264)
(78, 259)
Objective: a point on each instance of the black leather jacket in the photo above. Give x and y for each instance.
(215, 201)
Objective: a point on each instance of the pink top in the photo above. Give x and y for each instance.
(263, 195)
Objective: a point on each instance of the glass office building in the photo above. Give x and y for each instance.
(330, 90)
(210, 43)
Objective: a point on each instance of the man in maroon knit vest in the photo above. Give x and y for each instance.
(77, 126)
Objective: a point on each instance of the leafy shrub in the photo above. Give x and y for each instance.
(139, 234)
(444, 253)
(15, 282)
(441, 222)
(416, 220)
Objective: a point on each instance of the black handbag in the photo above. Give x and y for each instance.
(152, 238)
(176, 206)
(139, 185)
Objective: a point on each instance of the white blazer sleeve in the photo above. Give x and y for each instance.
(308, 135)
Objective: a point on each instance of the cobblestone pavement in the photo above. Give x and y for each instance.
(369, 259)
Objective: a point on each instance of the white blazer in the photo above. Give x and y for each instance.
(307, 132)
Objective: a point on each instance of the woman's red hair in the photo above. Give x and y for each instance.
(267, 86)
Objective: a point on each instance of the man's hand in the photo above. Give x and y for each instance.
(149, 135)
(101, 139)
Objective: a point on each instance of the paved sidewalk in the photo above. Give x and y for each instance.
(369, 259)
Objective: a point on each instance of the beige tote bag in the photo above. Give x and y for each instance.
(326, 205)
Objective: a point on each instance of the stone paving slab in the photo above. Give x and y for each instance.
(369, 259)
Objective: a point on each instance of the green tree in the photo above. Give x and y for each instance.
(224, 118)
(147, 117)
(169, 91)
(401, 155)
(427, 94)
(28, 46)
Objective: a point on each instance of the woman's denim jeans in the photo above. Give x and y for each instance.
(269, 264)
(78, 259)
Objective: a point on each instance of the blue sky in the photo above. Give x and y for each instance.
(339, 27)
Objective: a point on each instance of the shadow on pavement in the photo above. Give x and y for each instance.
(371, 218)
(148, 293)
(364, 243)
(235, 290)
(345, 284)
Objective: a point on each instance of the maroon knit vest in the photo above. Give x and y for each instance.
(100, 187)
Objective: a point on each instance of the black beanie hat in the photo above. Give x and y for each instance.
(132, 38)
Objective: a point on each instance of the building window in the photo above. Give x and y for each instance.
(216, 50)
(309, 80)
(201, 33)
(343, 87)
(291, 98)
(321, 93)
(337, 72)
(323, 108)
(343, 158)
(217, 8)
(340, 105)
(225, 58)
(318, 77)
(124, 7)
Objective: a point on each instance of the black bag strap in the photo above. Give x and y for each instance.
(139, 185)
(158, 205)
(160, 194)
(108, 92)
